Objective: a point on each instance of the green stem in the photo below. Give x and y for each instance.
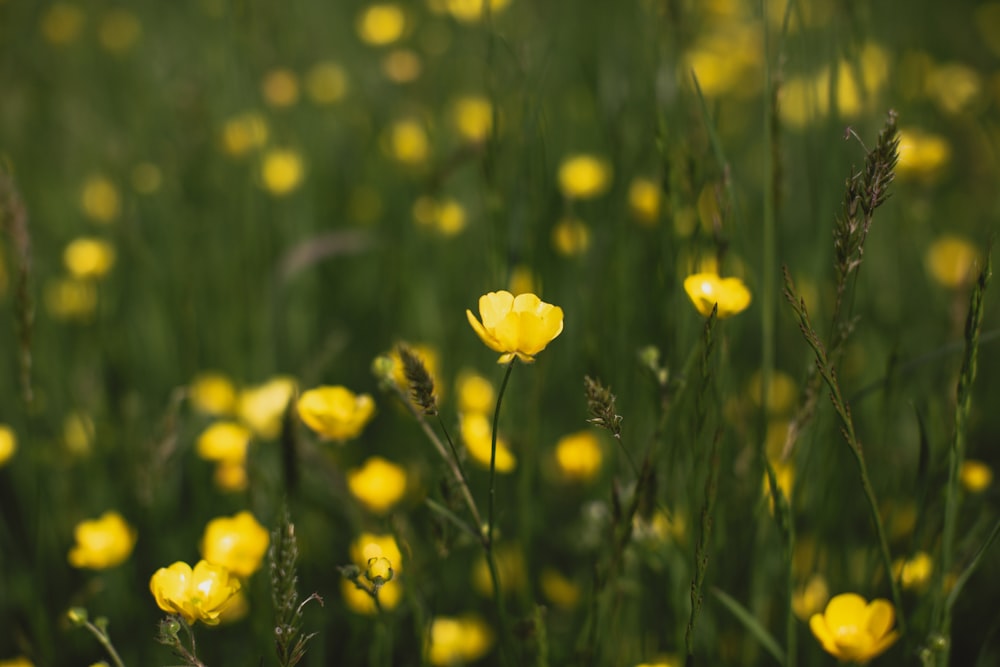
(105, 641)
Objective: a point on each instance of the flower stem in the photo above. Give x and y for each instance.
(105, 640)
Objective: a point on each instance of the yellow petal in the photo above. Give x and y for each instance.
(880, 616)
(495, 306)
(846, 609)
(484, 335)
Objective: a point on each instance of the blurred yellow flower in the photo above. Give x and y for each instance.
(975, 476)
(212, 393)
(326, 83)
(61, 23)
(368, 546)
(120, 29)
(784, 474)
(335, 412)
(663, 661)
(471, 11)
(579, 456)
(402, 65)
(8, 444)
(100, 200)
(477, 435)
(810, 598)
(244, 132)
(237, 543)
(199, 594)
(78, 433)
(406, 142)
(231, 476)
(458, 641)
(914, 573)
(281, 171)
(660, 527)
(378, 484)
(922, 155)
(381, 23)
(70, 299)
(725, 60)
(224, 441)
(375, 554)
(102, 543)
(782, 392)
(951, 260)
(584, 176)
(472, 116)
(852, 629)
(522, 280)
(445, 216)
(237, 609)
(518, 326)
(89, 258)
(570, 237)
(146, 178)
(19, 661)
(280, 87)
(510, 567)
(431, 360)
(558, 589)
(262, 407)
(361, 602)
(954, 87)
(475, 393)
(707, 289)
(644, 200)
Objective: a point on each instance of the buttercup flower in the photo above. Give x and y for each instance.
(261, 407)
(8, 444)
(119, 31)
(335, 412)
(852, 629)
(379, 484)
(237, 543)
(475, 393)
(458, 641)
(914, 573)
(70, 299)
(584, 176)
(510, 566)
(281, 171)
(472, 116)
(244, 132)
(224, 441)
(471, 11)
(951, 261)
(578, 456)
(375, 555)
(518, 326)
(100, 199)
(102, 543)
(571, 237)
(280, 87)
(199, 594)
(212, 393)
(381, 24)
(811, 597)
(89, 258)
(559, 589)
(707, 289)
(975, 476)
(326, 83)
(644, 201)
(19, 661)
(478, 438)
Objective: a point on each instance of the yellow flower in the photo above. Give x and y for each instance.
(212, 393)
(478, 438)
(446, 216)
(522, 280)
(102, 543)
(922, 155)
(644, 201)
(326, 83)
(852, 629)
(8, 444)
(237, 543)
(579, 456)
(335, 412)
(100, 199)
(472, 116)
(475, 393)
(458, 641)
(224, 441)
(663, 661)
(975, 476)
(78, 433)
(231, 476)
(510, 567)
(361, 602)
(62, 23)
(119, 31)
(89, 258)
(244, 132)
(70, 299)
(782, 392)
(262, 407)
(375, 554)
(810, 598)
(281, 171)
(914, 573)
(518, 326)
(381, 24)
(19, 661)
(402, 65)
(378, 484)
(199, 594)
(280, 87)
(951, 261)
(707, 289)
(570, 237)
(954, 87)
(559, 589)
(426, 354)
(236, 610)
(471, 11)
(406, 142)
(369, 546)
(584, 176)
(784, 474)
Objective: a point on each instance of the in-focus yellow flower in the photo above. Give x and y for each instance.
(369, 546)
(61, 23)
(558, 589)
(224, 441)
(951, 260)
(458, 641)
(478, 438)
(579, 456)
(70, 299)
(244, 132)
(510, 567)
(326, 83)
(280, 87)
(518, 326)
(472, 116)
(402, 65)
(853, 629)
(212, 393)
(375, 554)
(707, 289)
(471, 11)
(335, 412)
(282, 171)
(571, 237)
(406, 142)
(475, 393)
(261, 407)
(237, 543)
(198, 594)
(922, 155)
(975, 476)
(102, 543)
(584, 176)
(8, 444)
(89, 258)
(100, 200)
(810, 598)
(146, 178)
(914, 573)
(119, 31)
(381, 23)
(378, 484)
(644, 197)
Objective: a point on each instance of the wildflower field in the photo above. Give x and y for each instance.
(503, 332)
